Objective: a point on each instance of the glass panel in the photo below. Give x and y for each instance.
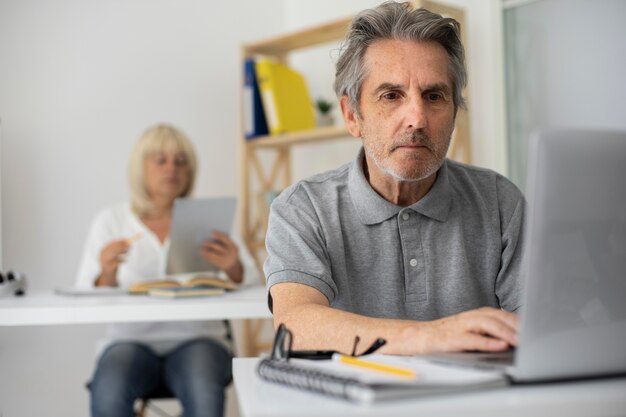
(565, 64)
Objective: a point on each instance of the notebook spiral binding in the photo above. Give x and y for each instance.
(286, 373)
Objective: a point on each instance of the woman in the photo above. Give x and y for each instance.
(128, 243)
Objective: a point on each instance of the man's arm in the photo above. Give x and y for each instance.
(316, 325)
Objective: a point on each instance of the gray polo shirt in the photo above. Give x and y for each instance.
(456, 249)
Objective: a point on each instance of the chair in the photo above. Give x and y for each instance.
(160, 393)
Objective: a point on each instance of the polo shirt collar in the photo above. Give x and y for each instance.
(373, 209)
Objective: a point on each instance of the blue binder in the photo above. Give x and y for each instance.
(255, 123)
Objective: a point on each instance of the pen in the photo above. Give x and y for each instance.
(375, 366)
(134, 238)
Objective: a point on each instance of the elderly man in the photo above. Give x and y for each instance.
(402, 243)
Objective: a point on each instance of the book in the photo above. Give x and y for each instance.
(197, 282)
(285, 97)
(254, 116)
(361, 385)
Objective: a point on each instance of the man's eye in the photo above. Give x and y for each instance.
(433, 97)
(390, 96)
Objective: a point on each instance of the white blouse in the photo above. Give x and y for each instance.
(145, 260)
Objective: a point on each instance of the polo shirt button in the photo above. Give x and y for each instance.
(405, 216)
(413, 262)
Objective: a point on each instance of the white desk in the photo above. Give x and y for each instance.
(48, 308)
(606, 398)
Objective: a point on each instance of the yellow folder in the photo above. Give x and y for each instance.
(286, 101)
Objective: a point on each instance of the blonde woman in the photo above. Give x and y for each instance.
(128, 243)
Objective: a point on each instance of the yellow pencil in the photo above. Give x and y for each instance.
(375, 366)
(134, 238)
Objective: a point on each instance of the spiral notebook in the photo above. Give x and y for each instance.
(334, 379)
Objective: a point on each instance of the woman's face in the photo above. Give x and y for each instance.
(166, 175)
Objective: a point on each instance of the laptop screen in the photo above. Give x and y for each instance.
(573, 320)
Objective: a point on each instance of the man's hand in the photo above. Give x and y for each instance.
(485, 329)
(222, 252)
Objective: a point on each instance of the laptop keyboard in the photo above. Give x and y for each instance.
(477, 360)
(500, 358)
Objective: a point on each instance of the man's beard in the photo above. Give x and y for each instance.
(423, 168)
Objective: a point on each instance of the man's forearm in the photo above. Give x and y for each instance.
(316, 325)
(321, 327)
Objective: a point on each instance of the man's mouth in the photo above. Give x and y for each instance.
(409, 146)
(414, 141)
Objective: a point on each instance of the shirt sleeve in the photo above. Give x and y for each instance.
(250, 270)
(99, 235)
(509, 280)
(296, 246)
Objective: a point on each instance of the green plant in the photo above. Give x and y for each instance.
(324, 106)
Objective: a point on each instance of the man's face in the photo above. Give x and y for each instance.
(406, 112)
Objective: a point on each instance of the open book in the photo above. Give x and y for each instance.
(196, 286)
(364, 384)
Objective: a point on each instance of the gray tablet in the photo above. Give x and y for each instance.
(193, 221)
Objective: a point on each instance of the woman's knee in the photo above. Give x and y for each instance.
(203, 361)
(123, 371)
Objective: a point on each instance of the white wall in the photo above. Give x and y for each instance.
(79, 81)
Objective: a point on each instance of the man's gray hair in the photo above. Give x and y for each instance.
(397, 21)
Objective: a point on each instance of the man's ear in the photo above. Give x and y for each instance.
(350, 117)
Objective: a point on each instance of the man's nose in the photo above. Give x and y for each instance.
(415, 113)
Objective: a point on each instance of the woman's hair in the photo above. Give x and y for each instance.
(159, 138)
(398, 21)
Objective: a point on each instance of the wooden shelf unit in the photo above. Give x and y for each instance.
(258, 178)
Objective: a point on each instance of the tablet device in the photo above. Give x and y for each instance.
(193, 222)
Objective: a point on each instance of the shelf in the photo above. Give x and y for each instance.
(295, 138)
(283, 44)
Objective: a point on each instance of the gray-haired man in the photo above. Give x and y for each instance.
(402, 243)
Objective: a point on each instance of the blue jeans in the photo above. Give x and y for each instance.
(196, 372)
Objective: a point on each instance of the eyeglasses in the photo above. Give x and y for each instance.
(281, 350)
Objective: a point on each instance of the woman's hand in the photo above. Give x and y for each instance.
(222, 252)
(111, 256)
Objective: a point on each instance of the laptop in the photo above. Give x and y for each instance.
(573, 314)
(193, 221)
